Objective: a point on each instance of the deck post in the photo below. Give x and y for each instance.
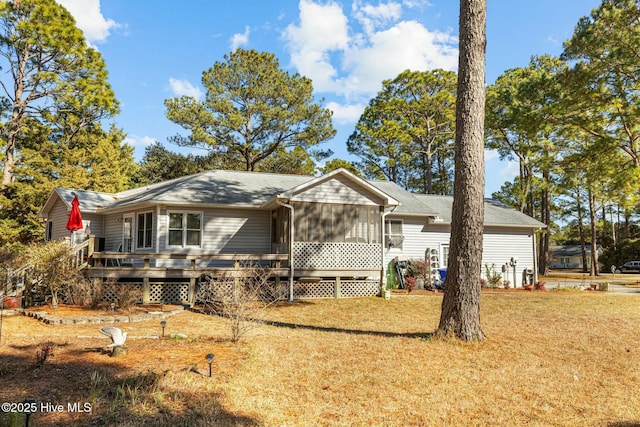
(338, 284)
(146, 287)
(276, 265)
(91, 248)
(236, 279)
(146, 290)
(192, 285)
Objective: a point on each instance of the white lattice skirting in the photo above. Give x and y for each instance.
(336, 289)
(336, 256)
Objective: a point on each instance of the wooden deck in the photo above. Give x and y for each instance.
(116, 265)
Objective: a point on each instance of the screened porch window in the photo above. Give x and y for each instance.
(325, 222)
(185, 229)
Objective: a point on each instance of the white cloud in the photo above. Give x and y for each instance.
(139, 141)
(184, 88)
(89, 18)
(415, 3)
(322, 30)
(406, 45)
(372, 17)
(491, 155)
(510, 170)
(346, 114)
(240, 39)
(326, 46)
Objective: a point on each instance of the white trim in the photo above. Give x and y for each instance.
(444, 261)
(137, 229)
(132, 231)
(184, 214)
(397, 245)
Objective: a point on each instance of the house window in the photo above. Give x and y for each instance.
(185, 229)
(145, 230)
(444, 254)
(393, 233)
(127, 234)
(48, 236)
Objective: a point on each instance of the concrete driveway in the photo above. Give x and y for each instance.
(571, 279)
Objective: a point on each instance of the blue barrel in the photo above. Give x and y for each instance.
(443, 273)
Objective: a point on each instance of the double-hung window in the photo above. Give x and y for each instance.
(185, 229)
(145, 230)
(393, 233)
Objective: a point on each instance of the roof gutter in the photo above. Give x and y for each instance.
(291, 236)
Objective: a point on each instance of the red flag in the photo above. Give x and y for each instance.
(75, 217)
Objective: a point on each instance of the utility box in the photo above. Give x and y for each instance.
(527, 277)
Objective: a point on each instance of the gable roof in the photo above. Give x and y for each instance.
(90, 201)
(260, 190)
(366, 185)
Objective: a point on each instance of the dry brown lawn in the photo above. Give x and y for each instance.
(551, 359)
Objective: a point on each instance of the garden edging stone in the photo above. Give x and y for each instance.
(50, 319)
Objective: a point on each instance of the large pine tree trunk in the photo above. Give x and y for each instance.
(461, 304)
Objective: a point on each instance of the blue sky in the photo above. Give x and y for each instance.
(158, 50)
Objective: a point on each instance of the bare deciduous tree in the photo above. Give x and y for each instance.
(242, 297)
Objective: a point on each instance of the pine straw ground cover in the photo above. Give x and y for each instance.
(551, 358)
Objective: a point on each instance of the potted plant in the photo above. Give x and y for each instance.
(11, 302)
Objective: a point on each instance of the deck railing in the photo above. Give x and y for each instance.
(99, 267)
(131, 264)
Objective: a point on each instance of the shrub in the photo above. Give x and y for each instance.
(84, 292)
(410, 283)
(42, 355)
(418, 269)
(241, 298)
(125, 293)
(493, 277)
(541, 286)
(52, 267)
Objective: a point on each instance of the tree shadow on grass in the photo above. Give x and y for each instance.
(102, 394)
(387, 334)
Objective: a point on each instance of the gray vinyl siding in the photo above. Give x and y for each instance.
(498, 246)
(225, 231)
(59, 215)
(113, 232)
(338, 190)
(418, 237)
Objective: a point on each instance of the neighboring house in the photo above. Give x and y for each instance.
(337, 232)
(569, 256)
